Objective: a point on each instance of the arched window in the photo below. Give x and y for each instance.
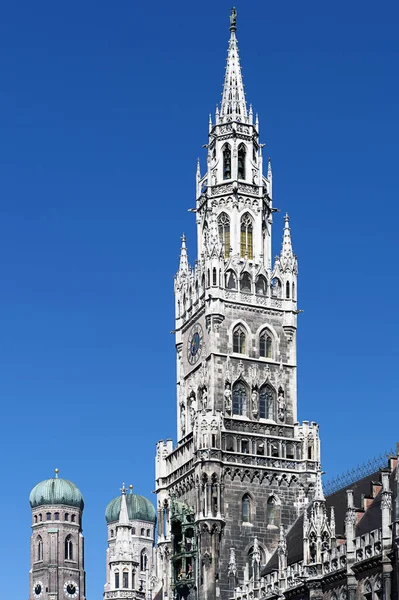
(48, 516)
(133, 531)
(208, 277)
(73, 518)
(39, 553)
(142, 531)
(261, 286)
(246, 229)
(226, 162)
(267, 402)
(68, 548)
(287, 290)
(116, 579)
(143, 560)
(35, 519)
(66, 517)
(111, 533)
(242, 151)
(148, 533)
(239, 340)
(246, 509)
(57, 516)
(231, 280)
(245, 283)
(240, 394)
(224, 233)
(271, 511)
(125, 579)
(40, 518)
(265, 345)
(293, 291)
(133, 580)
(214, 277)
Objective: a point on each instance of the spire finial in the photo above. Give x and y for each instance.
(234, 106)
(56, 471)
(123, 489)
(233, 19)
(131, 488)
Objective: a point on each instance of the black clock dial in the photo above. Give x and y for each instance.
(38, 589)
(71, 589)
(194, 344)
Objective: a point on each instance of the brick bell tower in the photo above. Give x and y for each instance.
(243, 467)
(57, 546)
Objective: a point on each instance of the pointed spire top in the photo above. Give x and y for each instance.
(123, 515)
(183, 267)
(286, 252)
(318, 493)
(234, 106)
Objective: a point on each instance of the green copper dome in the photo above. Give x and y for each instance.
(138, 508)
(56, 491)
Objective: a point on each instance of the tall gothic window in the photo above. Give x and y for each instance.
(246, 508)
(239, 340)
(242, 151)
(68, 548)
(265, 345)
(143, 560)
(240, 398)
(39, 548)
(125, 579)
(246, 247)
(227, 162)
(224, 233)
(287, 290)
(267, 403)
(271, 511)
(116, 579)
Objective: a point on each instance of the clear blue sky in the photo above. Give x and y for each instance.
(103, 112)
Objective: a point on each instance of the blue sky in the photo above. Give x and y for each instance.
(103, 112)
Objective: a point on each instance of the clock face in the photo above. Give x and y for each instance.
(71, 589)
(38, 589)
(194, 344)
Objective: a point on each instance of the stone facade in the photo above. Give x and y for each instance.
(243, 465)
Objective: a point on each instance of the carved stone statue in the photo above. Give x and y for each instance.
(281, 405)
(183, 419)
(204, 399)
(192, 415)
(227, 399)
(255, 403)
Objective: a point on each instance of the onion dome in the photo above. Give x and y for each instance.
(56, 491)
(138, 509)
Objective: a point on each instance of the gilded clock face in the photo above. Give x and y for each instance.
(195, 343)
(71, 589)
(38, 589)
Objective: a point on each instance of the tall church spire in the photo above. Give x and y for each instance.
(234, 106)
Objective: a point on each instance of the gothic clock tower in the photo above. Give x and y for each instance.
(243, 467)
